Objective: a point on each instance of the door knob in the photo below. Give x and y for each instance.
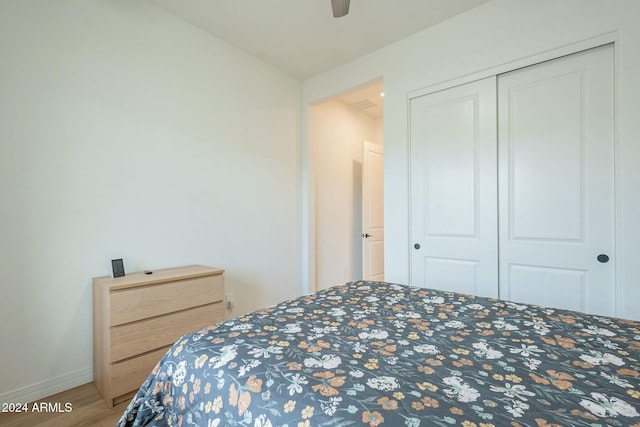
(365, 235)
(417, 246)
(603, 258)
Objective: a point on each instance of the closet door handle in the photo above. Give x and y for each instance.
(603, 258)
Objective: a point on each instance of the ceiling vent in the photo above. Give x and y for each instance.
(363, 104)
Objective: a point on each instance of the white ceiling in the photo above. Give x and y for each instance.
(302, 37)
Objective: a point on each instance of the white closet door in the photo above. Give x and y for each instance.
(556, 130)
(454, 189)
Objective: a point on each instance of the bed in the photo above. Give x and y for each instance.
(382, 354)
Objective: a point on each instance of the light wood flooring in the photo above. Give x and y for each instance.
(87, 409)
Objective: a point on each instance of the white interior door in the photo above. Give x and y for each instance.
(454, 189)
(556, 208)
(372, 211)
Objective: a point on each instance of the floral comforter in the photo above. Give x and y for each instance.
(381, 354)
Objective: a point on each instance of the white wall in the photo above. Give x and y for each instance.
(125, 132)
(336, 132)
(480, 41)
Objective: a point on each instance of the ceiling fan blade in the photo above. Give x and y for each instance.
(340, 7)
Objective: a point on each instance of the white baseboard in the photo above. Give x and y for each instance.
(32, 393)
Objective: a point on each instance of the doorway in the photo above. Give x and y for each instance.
(338, 129)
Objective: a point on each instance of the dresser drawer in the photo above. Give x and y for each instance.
(132, 304)
(145, 335)
(129, 375)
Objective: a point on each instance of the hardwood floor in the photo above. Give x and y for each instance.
(86, 408)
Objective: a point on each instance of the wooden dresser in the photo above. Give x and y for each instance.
(137, 317)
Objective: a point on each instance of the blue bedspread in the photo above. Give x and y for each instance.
(380, 354)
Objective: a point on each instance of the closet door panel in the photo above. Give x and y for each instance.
(453, 189)
(567, 286)
(545, 161)
(449, 168)
(556, 209)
